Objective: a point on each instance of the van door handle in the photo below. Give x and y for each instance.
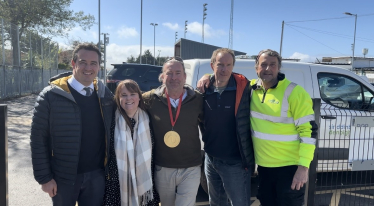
(328, 117)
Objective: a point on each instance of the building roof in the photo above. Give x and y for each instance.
(188, 49)
(367, 58)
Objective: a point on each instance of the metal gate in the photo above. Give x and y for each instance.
(342, 173)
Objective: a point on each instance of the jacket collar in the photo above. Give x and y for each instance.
(60, 81)
(258, 83)
(160, 90)
(161, 94)
(231, 85)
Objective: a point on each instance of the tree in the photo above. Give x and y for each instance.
(48, 17)
(64, 58)
(65, 55)
(131, 59)
(147, 58)
(161, 60)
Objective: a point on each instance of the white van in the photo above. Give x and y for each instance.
(346, 129)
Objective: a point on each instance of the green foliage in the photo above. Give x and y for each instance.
(64, 66)
(147, 58)
(161, 60)
(131, 59)
(46, 17)
(50, 17)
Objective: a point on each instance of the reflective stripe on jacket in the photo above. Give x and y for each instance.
(281, 122)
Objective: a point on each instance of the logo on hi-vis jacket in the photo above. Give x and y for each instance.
(273, 101)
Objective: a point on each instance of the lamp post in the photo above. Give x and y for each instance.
(99, 25)
(185, 28)
(204, 17)
(99, 43)
(159, 52)
(354, 38)
(141, 31)
(154, 42)
(106, 42)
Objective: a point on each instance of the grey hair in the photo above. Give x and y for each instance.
(271, 53)
(171, 60)
(222, 50)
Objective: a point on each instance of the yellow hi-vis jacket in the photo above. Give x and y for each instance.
(281, 124)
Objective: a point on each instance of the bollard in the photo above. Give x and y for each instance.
(3, 156)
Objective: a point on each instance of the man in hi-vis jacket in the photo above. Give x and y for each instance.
(283, 133)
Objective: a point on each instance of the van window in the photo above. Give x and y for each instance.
(344, 92)
(128, 72)
(153, 73)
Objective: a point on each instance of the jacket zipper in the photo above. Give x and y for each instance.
(80, 140)
(106, 141)
(263, 97)
(240, 146)
(53, 146)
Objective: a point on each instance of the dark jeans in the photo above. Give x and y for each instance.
(274, 188)
(227, 179)
(88, 190)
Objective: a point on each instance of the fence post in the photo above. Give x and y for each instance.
(49, 59)
(58, 49)
(31, 74)
(41, 51)
(19, 62)
(311, 184)
(3, 156)
(3, 49)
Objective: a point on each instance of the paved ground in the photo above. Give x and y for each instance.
(25, 191)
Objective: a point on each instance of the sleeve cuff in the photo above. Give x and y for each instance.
(304, 162)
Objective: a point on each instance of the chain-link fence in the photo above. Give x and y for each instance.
(27, 61)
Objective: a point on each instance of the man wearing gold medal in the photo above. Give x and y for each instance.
(229, 156)
(175, 111)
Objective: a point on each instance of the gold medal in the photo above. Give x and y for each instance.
(172, 139)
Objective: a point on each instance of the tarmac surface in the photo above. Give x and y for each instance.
(23, 190)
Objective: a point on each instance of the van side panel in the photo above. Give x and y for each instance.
(296, 72)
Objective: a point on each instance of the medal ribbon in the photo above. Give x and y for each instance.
(172, 121)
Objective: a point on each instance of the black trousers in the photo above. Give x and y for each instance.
(274, 187)
(88, 190)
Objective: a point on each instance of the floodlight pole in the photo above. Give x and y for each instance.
(354, 39)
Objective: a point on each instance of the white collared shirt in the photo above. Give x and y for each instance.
(78, 86)
(174, 102)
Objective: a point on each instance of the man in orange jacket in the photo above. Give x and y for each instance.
(229, 158)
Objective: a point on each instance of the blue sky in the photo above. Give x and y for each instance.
(257, 25)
